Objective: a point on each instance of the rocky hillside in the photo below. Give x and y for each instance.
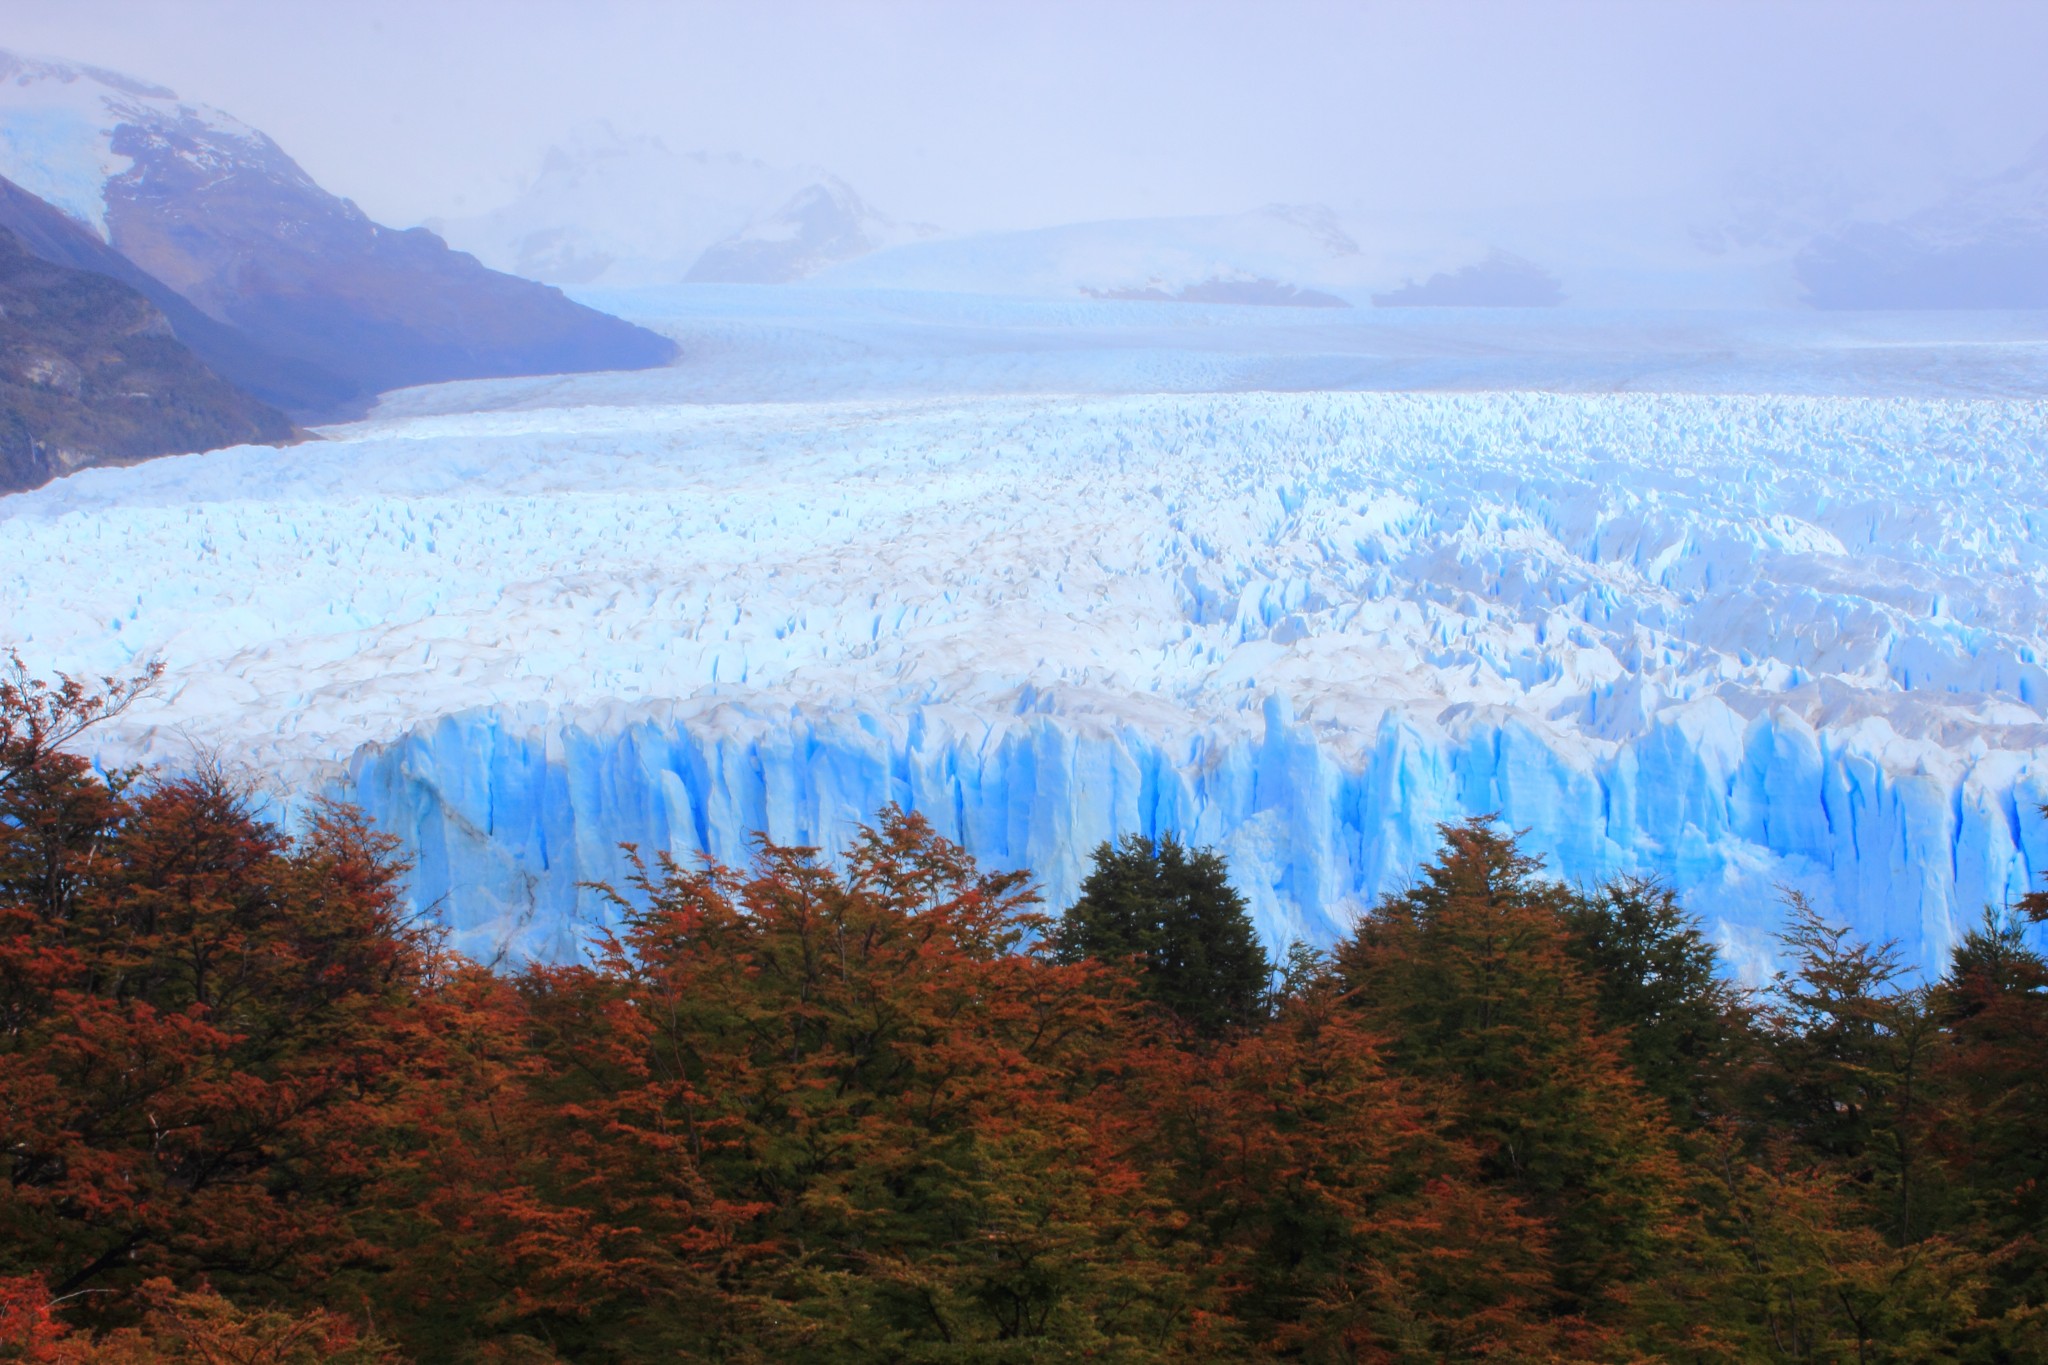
(277, 379)
(244, 234)
(91, 373)
(337, 306)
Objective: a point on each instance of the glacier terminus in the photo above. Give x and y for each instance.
(1744, 640)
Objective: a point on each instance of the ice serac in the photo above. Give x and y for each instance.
(1744, 643)
(511, 820)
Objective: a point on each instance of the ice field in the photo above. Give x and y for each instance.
(1054, 572)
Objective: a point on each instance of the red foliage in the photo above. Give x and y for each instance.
(248, 1111)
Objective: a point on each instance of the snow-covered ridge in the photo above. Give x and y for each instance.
(1738, 641)
(59, 122)
(626, 210)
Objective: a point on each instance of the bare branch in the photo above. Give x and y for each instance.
(38, 717)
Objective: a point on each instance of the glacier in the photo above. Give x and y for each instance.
(1747, 642)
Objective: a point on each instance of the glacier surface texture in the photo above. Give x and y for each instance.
(1739, 641)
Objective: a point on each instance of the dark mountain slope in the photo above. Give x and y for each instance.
(92, 373)
(228, 220)
(279, 380)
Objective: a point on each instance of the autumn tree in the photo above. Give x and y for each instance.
(1470, 978)
(1990, 1126)
(882, 1108)
(1344, 1221)
(196, 1020)
(182, 1327)
(1798, 1271)
(820, 1116)
(1827, 1187)
(1849, 1073)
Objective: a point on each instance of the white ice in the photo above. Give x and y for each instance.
(1741, 641)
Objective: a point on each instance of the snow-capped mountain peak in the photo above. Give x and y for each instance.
(67, 131)
(1321, 221)
(614, 208)
(284, 288)
(822, 224)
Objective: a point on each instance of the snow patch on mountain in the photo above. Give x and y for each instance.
(59, 122)
(1983, 246)
(300, 298)
(822, 224)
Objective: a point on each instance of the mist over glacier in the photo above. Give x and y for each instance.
(862, 549)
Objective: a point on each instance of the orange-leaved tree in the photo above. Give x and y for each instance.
(817, 1116)
(1470, 978)
(1343, 1220)
(198, 1021)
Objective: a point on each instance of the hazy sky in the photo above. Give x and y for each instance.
(995, 114)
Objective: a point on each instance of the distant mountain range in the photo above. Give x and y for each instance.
(1284, 255)
(1984, 246)
(614, 210)
(282, 289)
(242, 299)
(1500, 281)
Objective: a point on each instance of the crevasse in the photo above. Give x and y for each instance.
(1746, 643)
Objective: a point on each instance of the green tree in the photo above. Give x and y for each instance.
(1836, 1201)
(1170, 910)
(1658, 984)
(1802, 1274)
(1849, 1069)
(1991, 1127)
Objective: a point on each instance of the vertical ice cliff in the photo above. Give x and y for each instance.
(510, 818)
(1743, 643)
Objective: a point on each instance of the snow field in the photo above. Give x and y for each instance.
(1741, 642)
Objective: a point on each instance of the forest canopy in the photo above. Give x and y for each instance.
(887, 1108)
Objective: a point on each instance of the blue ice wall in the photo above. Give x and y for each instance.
(510, 817)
